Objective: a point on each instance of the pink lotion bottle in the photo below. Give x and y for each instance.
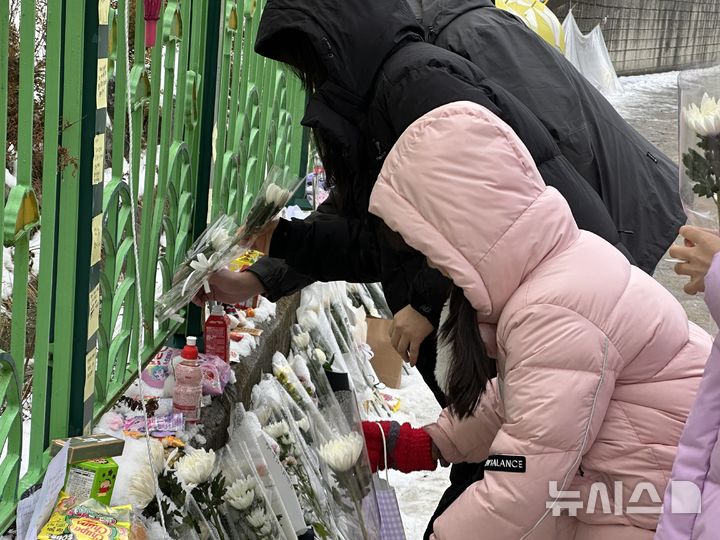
(188, 383)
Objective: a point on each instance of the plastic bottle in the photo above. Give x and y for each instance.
(217, 333)
(188, 383)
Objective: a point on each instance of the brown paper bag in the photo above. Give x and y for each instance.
(386, 362)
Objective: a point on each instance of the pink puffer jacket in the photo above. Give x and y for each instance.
(692, 502)
(598, 365)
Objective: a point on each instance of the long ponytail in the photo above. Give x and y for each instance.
(470, 367)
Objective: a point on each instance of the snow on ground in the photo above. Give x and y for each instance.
(418, 493)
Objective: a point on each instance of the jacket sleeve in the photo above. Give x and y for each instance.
(558, 382)
(699, 436)
(429, 290)
(278, 278)
(469, 440)
(442, 86)
(334, 249)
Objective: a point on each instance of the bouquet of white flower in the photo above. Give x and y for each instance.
(343, 452)
(222, 242)
(700, 146)
(243, 457)
(270, 405)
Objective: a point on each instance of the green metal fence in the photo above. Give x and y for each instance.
(208, 117)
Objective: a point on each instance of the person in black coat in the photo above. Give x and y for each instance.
(636, 181)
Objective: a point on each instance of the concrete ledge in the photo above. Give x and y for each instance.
(276, 337)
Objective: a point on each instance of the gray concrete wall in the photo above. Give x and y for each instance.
(645, 36)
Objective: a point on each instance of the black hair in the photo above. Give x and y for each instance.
(470, 368)
(296, 51)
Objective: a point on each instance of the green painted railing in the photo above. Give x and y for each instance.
(208, 117)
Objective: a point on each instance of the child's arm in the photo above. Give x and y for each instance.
(698, 252)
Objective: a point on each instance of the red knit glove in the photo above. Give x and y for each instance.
(408, 448)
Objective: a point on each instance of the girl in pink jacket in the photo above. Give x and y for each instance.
(597, 365)
(692, 502)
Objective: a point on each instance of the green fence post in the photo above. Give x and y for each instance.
(78, 204)
(202, 144)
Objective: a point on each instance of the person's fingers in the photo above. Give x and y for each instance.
(200, 298)
(413, 352)
(688, 269)
(403, 347)
(692, 234)
(695, 285)
(680, 252)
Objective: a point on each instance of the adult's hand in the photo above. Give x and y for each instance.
(407, 332)
(230, 288)
(700, 247)
(263, 240)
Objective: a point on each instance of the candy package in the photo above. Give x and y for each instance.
(87, 520)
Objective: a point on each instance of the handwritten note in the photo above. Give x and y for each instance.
(47, 499)
(90, 366)
(97, 227)
(103, 11)
(98, 159)
(94, 316)
(102, 80)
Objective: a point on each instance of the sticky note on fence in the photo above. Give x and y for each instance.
(94, 311)
(103, 11)
(90, 365)
(97, 226)
(98, 159)
(102, 80)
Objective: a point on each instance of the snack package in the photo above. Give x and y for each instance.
(158, 426)
(216, 375)
(89, 520)
(241, 264)
(92, 479)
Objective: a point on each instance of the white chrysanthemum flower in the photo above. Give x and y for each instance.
(274, 194)
(196, 468)
(342, 453)
(277, 430)
(286, 440)
(242, 493)
(304, 424)
(301, 340)
(141, 490)
(220, 240)
(257, 518)
(705, 119)
(266, 529)
(157, 453)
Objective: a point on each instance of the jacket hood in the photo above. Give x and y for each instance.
(460, 187)
(353, 37)
(437, 14)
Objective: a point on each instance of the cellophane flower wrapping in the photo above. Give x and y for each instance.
(699, 146)
(329, 318)
(224, 241)
(325, 313)
(242, 457)
(248, 510)
(269, 401)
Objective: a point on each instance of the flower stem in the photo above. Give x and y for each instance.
(358, 509)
